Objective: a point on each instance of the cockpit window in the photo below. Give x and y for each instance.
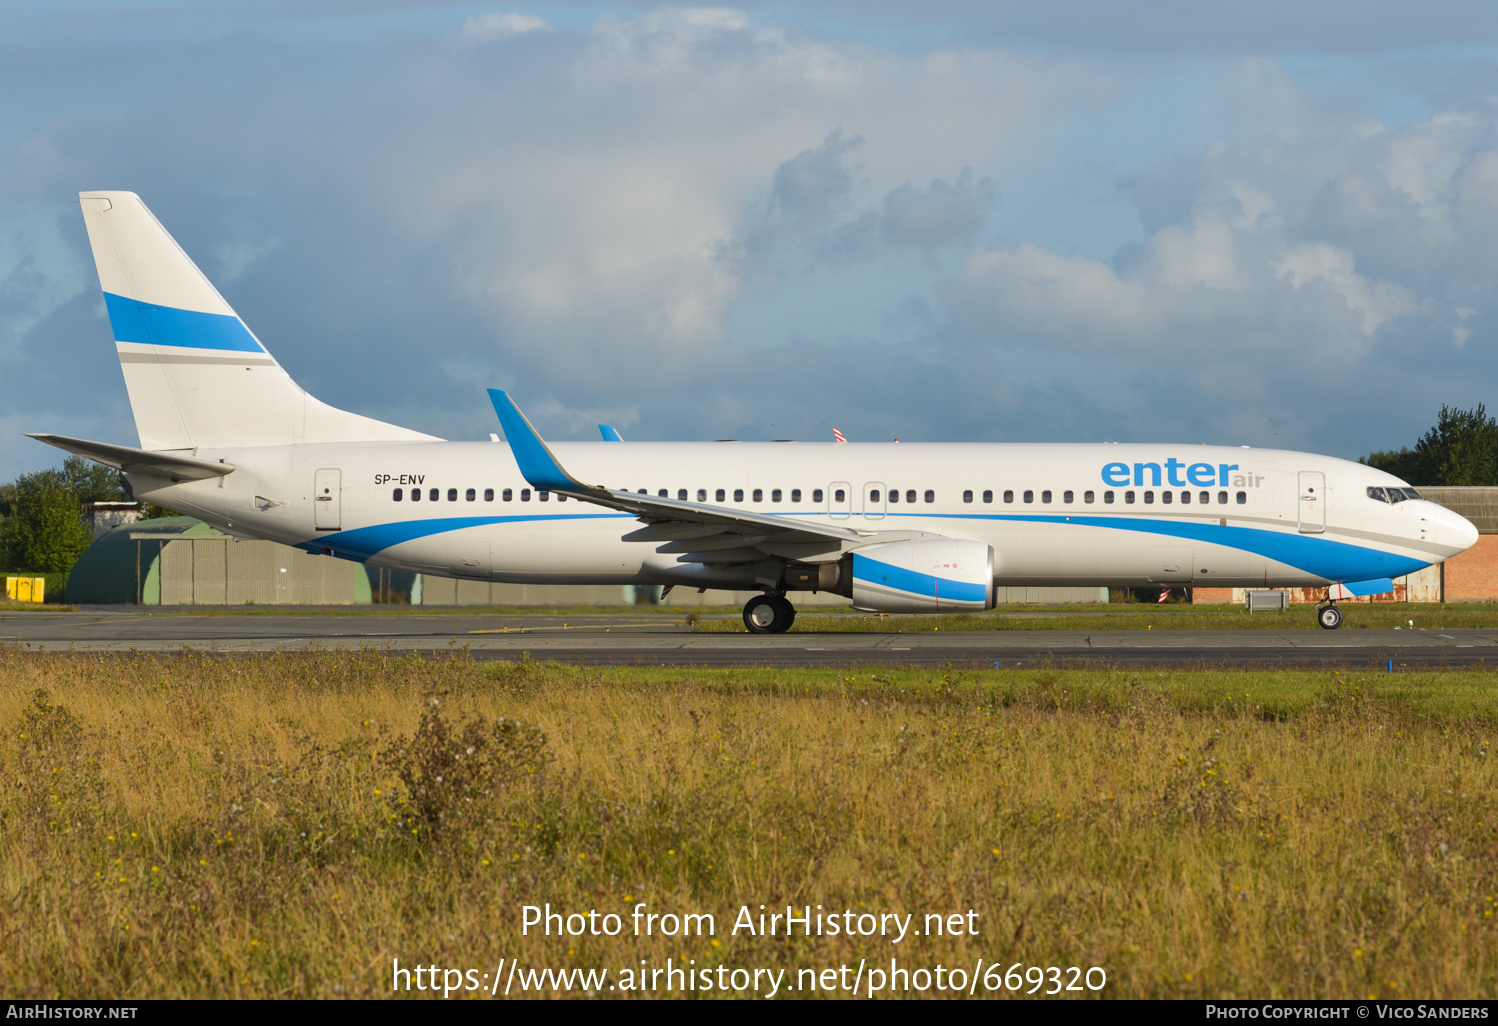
(1392, 494)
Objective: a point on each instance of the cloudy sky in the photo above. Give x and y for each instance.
(1270, 224)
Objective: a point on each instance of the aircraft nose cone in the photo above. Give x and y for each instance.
(1456, 530)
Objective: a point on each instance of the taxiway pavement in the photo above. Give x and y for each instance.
(660, 639)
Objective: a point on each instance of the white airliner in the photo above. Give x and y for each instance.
(227, 436)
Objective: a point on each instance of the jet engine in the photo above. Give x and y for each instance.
(921, 575)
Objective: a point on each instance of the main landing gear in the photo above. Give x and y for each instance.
(1329, 616)
(769, 614)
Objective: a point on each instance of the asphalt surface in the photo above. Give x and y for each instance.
(625, 639)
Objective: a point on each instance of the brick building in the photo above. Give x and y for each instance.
(1469, 577)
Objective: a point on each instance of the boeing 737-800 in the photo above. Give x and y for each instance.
(227, 436)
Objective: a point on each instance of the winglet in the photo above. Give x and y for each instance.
(610, 433)
(537, 464)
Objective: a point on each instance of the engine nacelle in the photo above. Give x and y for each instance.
(927, 575)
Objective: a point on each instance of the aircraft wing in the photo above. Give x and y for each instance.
(157, 464)
(709, 534)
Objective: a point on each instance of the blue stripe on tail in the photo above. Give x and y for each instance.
(148, 324)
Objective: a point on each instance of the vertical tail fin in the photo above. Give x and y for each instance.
(197, 377)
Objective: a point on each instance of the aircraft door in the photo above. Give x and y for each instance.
(327, 500)
(1312, 503)
(840, 500)
(873, 500)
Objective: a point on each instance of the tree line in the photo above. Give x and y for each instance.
(41, 516)
(1462, 449)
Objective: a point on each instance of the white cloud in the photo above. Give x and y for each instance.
(491, 27)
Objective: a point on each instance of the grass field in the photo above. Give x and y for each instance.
(286, 825)
(1124, 617)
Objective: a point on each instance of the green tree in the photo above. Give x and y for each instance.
(44, 530)
(90, 481)
(1462, 449)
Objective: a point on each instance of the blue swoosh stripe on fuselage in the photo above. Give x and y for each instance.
(363, 542)
(916, 583)
(1332, 560)
(1323, 557)
(148, 324)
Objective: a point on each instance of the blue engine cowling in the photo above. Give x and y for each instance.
(926, 575)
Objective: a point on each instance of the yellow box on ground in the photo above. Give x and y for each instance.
(26, 589)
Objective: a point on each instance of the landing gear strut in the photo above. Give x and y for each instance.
(769, 614)
(1329, 616)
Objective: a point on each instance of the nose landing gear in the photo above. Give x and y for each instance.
(1329, 616)
(769, 614)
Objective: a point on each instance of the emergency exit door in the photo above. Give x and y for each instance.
(327, 501)
(1312, 502)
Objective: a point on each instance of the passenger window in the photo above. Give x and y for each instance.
(837, 496)
(561, 497)
(1186, 498)
(894, 495)
(432, 495)
(1089, 497)
(910, 495)
(987, 496)
(1129, 498)
(930, 496)
(775, 495)
(816, 495)
(1149, 497)
(415, 494)
(1108, 498)
(543, 495)
(1067, 497)
(525, 495)
(967, 496)
(1045, 497)
(681, 495)
(1008, 496)
(1222, 497)
(488, 494)
(702, 495)
(452, 495)
(664, 493)
(1166, 497)
(759, 495)
(1204, 498)
(470, 495)
(795, 495)
(1242, 498)
(722, 495)
(507, 495)
(397, 495)
(874, 495)
(738, 495)
(1029, 496)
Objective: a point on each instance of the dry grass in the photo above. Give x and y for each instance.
(11, 606)
(269, 826)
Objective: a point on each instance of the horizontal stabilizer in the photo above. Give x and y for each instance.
(139, 461)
